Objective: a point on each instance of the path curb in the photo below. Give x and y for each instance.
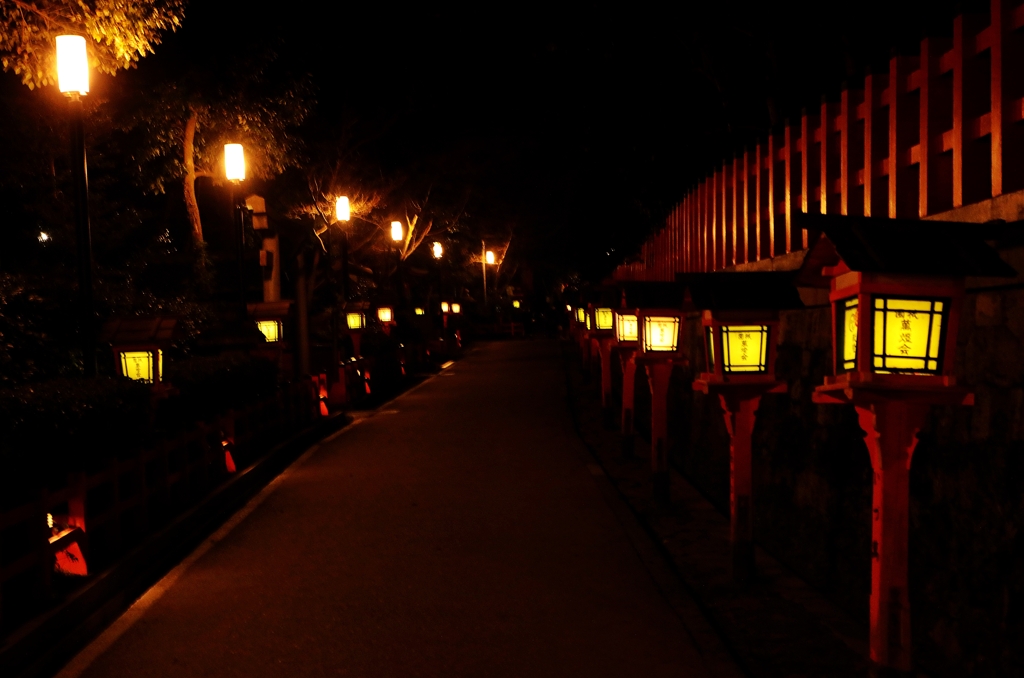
(44, 645)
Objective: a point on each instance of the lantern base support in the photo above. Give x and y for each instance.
(890, 418)
(739, 401)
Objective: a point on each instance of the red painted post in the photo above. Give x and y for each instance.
(659, 373)
(740, 415)
(891, 427)
(604, 346)
(628, 360)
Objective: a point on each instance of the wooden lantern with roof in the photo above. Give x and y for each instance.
(138, 345)
(896, 290)
(740, 319)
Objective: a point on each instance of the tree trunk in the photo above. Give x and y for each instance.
(190, 178)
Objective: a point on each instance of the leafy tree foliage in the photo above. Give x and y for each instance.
(121, 33)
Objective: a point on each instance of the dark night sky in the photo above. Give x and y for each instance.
(582, 127)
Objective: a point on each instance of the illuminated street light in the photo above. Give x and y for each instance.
(341, 210)
(396, 231)
(489, 257)
(234, 171)
(437, 250)
(73, 81)
(444, 307)
(234, 162)
(72, 65)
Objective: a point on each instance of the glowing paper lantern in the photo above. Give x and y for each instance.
(445, 307)
(419, 311)
(355, 321)
(626, 329)
(271, 330)
(581, 315)
(437, 250)
(661, 333)
(456, 308)
(396, 231)
(385, 314)
(144, 366)
(603, 319)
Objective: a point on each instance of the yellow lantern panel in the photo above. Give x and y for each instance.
(581, 315)
(907, 335)
(355, 321)
(626, 329)
(456, 308)
(661, 333)
(444, 307)
(384, 314)
(587, 320)
(420, 311)
(138, 365)
(603, 318)
(849, 327)
(709, 340)
(271, 329)
(745, 348)
(515, 303)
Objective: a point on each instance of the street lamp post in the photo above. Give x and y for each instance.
(234, 170)
(487, 257)
(342, 215)
(73, 81)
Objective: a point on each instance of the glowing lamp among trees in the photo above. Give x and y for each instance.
(896, 289)
(489, 256)
(72, 65)
(396, 231)
(342, 212)
(385, 314)
(437, 249)
(456, 308)
(445, 307)
(234, 162)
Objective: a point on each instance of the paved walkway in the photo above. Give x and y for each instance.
(457, 532)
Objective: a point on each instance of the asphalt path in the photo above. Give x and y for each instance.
(457, 531)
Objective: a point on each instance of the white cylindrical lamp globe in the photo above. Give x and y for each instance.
(72, 65)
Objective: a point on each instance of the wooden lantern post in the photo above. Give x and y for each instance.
(627, 337)
(740, 321)
(896, 292)
(660, 349)
(602, 340)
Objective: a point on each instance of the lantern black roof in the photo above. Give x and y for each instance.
(898, 246)
(639, 294)
(736, 291)
(155, 331)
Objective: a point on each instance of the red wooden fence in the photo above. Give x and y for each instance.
(939, 131)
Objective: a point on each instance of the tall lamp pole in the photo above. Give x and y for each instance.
(73, 81)
(341, 216)
(488, 258)
(234, 170)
